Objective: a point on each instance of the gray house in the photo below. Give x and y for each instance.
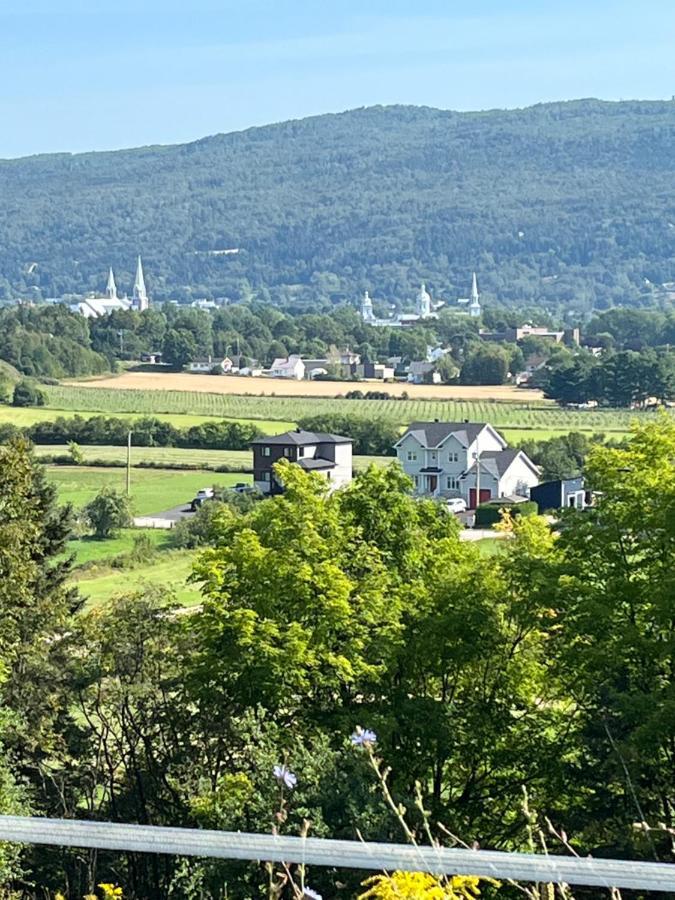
(330, 455)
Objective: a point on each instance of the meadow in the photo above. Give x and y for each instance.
(178, 456)
(152, 490)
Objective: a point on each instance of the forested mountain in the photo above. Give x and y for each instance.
(569, 204)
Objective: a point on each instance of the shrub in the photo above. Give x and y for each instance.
(489, 514)
(26, 393)
(107, 513)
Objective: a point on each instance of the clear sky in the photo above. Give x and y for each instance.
(101, 74)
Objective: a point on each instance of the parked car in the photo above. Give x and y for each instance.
(200, 497)
(456, 505)
(242, 488)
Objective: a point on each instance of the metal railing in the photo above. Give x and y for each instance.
(525, 867)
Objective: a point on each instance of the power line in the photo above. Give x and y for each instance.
(530, 867)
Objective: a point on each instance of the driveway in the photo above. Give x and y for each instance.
(166, 519)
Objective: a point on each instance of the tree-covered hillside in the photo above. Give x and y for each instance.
(568, 203)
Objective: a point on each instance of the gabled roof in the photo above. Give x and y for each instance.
(498, 462)
(432, 434)
(301, 438)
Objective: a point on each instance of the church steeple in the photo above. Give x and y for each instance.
(140, 295)
(474, 306)
(423, 302)
(111, 287)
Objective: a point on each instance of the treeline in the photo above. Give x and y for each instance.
(380, 198)
(48, 341)
(338, 632)
(146, 432)
(625, 378)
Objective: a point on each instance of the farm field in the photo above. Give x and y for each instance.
(23, 417)
(270, 387)
(177, 456)
(526, 416)
(152, 490)
(169, 572)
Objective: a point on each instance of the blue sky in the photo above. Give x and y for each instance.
(100, 74)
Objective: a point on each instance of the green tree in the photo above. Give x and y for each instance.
(615, 641)
(487, 364)
(109, 511)
(26, 393)
(179, 348)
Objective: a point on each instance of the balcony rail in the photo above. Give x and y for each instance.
(523, 867)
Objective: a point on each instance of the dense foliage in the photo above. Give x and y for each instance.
(548, 665)
(565, 203)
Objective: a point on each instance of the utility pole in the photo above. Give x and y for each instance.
(121, 337)
(476, 456)
(129, 464)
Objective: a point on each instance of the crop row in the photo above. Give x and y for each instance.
(291, 409)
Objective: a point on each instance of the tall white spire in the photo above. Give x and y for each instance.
(140, 295)
(474, 306)
(367, 308)
(423, 302)
(111, 287)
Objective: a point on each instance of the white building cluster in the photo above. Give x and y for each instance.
(95, 306)
(424, 308)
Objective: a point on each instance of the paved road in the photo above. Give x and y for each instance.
(166, 519)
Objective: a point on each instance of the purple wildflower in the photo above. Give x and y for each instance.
(363, 736)
(310, 894)
(285, 777)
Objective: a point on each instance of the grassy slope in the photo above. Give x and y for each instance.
(152, 490)
(88, 549)
(169, 572)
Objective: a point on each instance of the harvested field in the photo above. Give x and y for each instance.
(182, 381)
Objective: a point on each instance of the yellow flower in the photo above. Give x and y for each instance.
(420, 886)
(111, 891)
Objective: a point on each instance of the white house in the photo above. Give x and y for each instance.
(209, 363)
(420, 372)
(293, 367)
(464, 459)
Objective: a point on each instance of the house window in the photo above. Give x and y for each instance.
(412, 456)
(267, 451)
(265, 476)
(288, 452)
(452, 484)
(301, 451)
(453, 457)
(433, 455)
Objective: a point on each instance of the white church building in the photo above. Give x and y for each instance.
(94, 306)
(424, 308)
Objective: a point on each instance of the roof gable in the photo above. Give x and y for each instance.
(433, 434)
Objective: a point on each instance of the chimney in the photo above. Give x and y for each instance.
(437, 420)
(466, 421)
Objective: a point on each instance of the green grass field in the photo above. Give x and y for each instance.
(29, 416)
(152, 490)
(169, 572)
(176, 456)
(90, 550)
(521, 416)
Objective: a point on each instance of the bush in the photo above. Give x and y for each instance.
(489, 514)
(107, 513)
(26, 393)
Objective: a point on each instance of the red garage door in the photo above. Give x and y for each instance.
(485, 495)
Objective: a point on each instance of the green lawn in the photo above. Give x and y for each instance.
(152, 490)
(89, 549)
(169, 572)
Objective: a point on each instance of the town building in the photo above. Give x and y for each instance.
(207, 364)
(292, 367)
(139, 298)
(329, 455)
(470, 460)
(569, 336)
(374, 371)
(423, 373)
(423, 310)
